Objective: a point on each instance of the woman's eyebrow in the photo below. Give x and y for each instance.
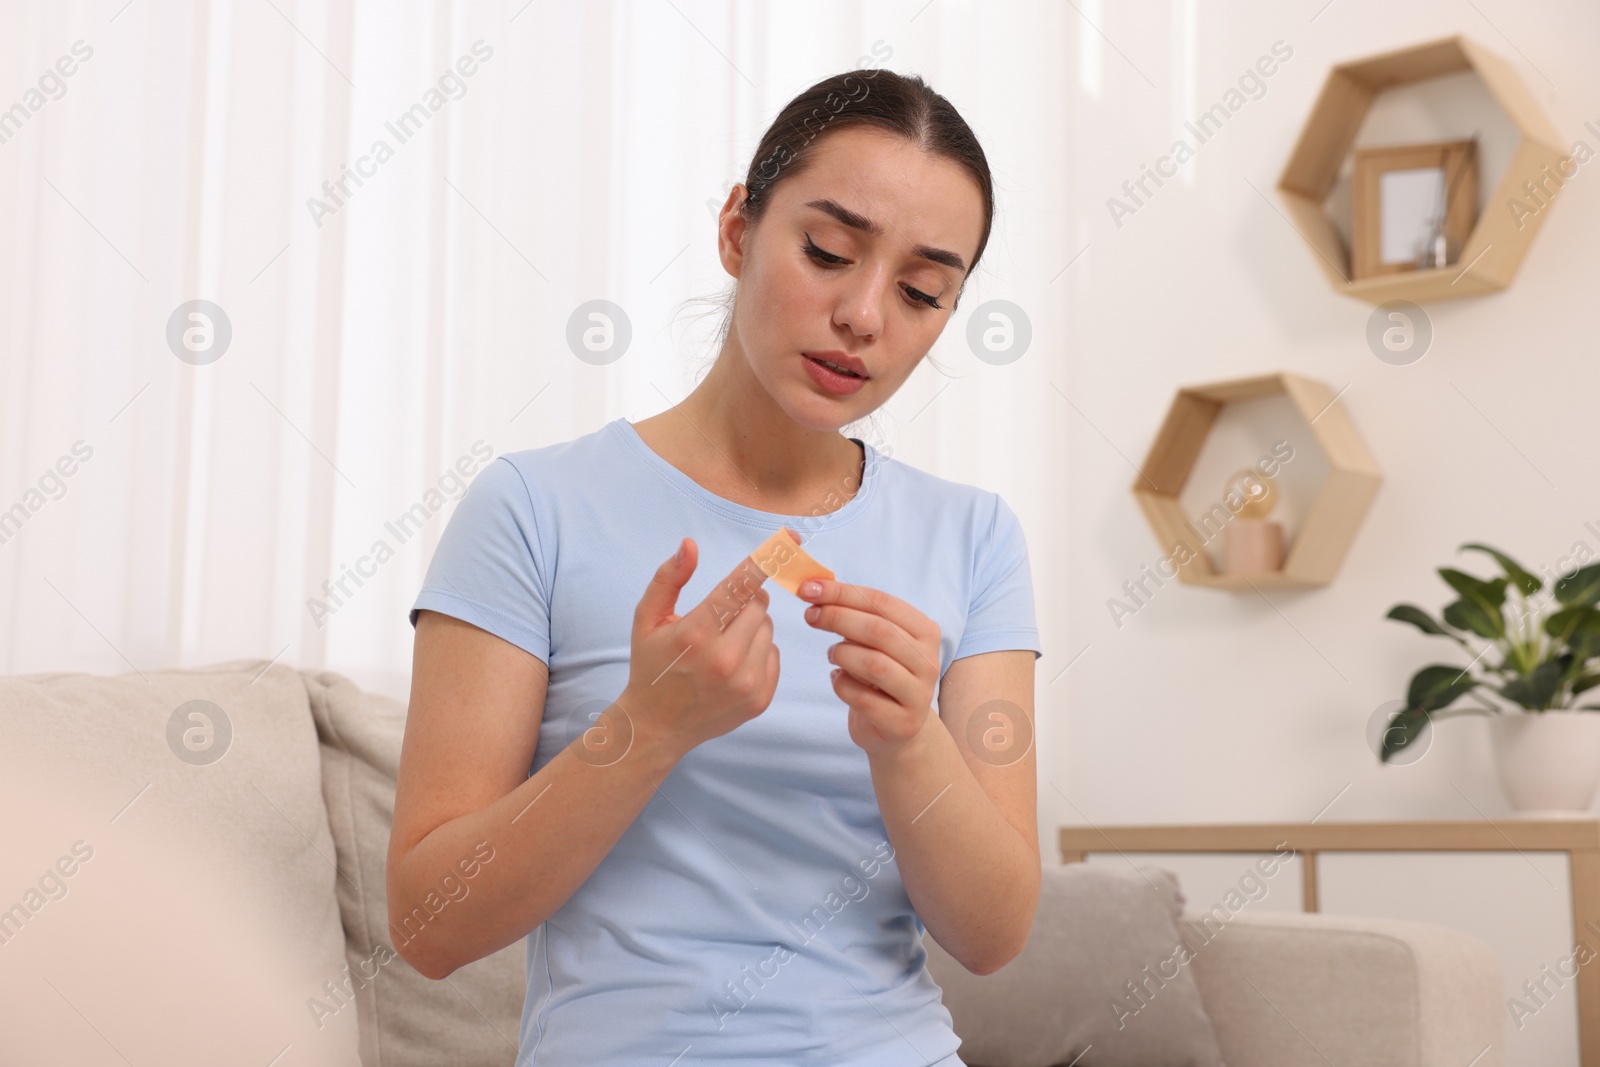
(857, 221)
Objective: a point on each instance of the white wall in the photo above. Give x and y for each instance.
(1212, 706)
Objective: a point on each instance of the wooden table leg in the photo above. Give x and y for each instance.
(1308, 881)
(1585, 872)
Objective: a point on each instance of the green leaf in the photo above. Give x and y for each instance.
(1585, 683)
(1437, 686)
(1585, 645)
(1465, 614)
(1581, 588)
(1568, 623)
(1538, 690)
(1525, 581)
(1491, 592)
(1402, 730)
(1418, 618)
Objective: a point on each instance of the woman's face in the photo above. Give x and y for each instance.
(851, 256)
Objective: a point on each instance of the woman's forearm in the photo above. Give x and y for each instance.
(482, 880)
(971, 876)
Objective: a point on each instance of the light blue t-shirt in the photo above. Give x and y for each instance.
(752, 913)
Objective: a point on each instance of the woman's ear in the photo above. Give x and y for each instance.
(732, 229)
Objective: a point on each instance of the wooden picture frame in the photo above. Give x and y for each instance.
(1396, 197)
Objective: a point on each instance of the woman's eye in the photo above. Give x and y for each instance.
(810, 248)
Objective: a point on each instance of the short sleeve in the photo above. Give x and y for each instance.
(1001, 615)
(489, 568)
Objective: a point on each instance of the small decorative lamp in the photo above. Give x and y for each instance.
(1250, 544)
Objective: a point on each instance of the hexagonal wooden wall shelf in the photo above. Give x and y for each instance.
(1498, 241)
(1328, 529)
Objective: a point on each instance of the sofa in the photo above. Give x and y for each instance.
(194, 874)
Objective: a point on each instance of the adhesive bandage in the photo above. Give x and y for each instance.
(781, 558)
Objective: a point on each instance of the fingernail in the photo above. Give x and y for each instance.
(810, 589)
(812, 613)
(678, 556)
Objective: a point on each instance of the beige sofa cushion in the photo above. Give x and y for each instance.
(469, 1019)
(1103, 977)
(1287, 989)
(163, 905)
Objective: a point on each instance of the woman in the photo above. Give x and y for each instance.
(715, 859)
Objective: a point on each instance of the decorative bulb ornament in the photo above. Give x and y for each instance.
(1259, 493)
(1250, 545)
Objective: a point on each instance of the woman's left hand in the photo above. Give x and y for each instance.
(887, 664)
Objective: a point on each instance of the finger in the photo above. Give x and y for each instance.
(660, 597)
(870, 601)
(875, 633)
(877, 669)
(759, 646)
(738, 620)
(733, 592)
(861, 696)
(865, 628)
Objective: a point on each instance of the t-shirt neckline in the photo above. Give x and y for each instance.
(624, 429)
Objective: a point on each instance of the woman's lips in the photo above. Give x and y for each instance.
(831, 380)
(839, 359)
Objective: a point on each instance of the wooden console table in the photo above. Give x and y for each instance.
(1578, 838)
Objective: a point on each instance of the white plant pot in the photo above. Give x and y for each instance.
(1548, 761)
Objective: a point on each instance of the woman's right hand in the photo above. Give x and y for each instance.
(697, 676)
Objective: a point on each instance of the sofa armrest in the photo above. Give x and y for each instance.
(1286, 990)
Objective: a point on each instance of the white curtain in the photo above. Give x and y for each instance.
(165, 506)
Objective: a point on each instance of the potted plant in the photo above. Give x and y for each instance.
(1538, 660)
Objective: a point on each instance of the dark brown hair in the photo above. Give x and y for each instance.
(901, 104)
